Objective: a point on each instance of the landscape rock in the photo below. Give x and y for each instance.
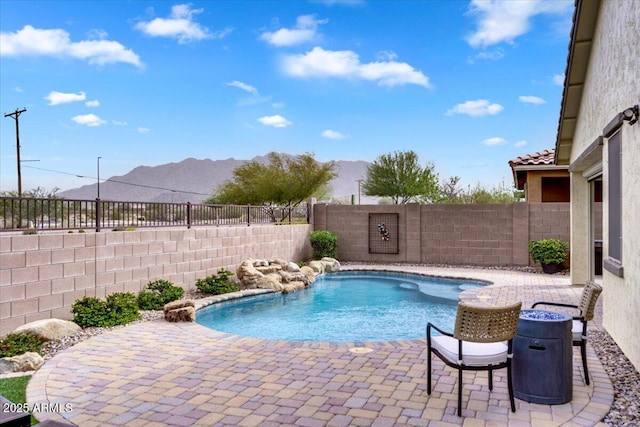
(270, 281)
(281, 275)
(182, 314)
(173, 305)
(269, 269)
(308, 273)
(180, 311)
(292, 287)
(29, 361)
(278, 261)
(248, 275)
(293, 267)
(316, 266)
(330, 264)
(50, 329)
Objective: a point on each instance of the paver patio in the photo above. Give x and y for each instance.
(159, 373)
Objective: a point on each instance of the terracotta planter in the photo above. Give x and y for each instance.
(551, 268)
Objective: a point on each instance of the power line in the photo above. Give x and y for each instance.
(121, 182)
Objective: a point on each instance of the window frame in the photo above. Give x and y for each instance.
(613, 133)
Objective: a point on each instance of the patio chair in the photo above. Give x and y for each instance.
(587, 306)
(482, 340)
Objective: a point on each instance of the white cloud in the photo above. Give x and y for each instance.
(94, 103)
(491, 55)
(558, 79)
(531, 100)
(521, 143)
(276, 121)
(503, 21)
(386, 55)
(244, 86)
(18, 89)
(346, 64)
(57, 98)
(30, 41)
(97, 34)
(492, 142)
(304, 31)
(477, 108)
(180, 25)
(90, 120)
(278, 105)
(118, 123)
(332, 134)
(143, 130)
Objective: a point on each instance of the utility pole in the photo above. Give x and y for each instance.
(15, 116)
(359, 182)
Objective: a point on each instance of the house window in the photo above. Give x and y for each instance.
(614, 177)
(555, 189)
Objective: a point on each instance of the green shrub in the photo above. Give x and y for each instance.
(90, 311)
(123, 307)
(157, 294)
(119, 308)
(548, 251)
(217, 284)
(19, 343)
(324, 244)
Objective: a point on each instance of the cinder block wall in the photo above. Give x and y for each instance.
(496, 234)
(42, 275)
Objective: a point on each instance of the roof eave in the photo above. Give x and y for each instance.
(585, 17)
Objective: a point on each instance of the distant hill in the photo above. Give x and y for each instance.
(194, 180)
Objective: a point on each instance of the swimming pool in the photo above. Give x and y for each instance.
(345, 306)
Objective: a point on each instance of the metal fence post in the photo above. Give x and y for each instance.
(98, 218)
(248, 215)
(188, 214)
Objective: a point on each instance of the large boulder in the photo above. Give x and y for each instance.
(270, 281)
(278, 261)
(274, 268)
(29, 361)
(181, 303)
(308, 273)
(183, 314)
(292, 267)
(292, 287)
(50, 329)
(248, 275)
(180, 311)
(316, 266)
(330, 264)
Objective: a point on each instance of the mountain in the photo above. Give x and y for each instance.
(194, 180)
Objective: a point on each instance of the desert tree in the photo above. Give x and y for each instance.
(399, 176)
(284, 181)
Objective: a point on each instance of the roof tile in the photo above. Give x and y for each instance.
(545, 157)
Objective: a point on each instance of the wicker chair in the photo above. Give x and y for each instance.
(482, 340)
(587, 306)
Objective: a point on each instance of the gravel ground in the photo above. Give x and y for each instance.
(625, 410)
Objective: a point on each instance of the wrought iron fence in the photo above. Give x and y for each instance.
(19, 213)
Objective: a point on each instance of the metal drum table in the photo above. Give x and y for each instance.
(543, 357)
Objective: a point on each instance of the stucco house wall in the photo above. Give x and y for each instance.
(611, 85)
(534, 183)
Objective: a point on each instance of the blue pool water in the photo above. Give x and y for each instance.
(344, 307)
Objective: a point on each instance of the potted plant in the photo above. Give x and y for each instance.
(550, 253)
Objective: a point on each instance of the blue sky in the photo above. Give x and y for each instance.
(468, 85)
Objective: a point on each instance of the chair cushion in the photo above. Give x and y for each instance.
(475, 354)
(576, 330)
